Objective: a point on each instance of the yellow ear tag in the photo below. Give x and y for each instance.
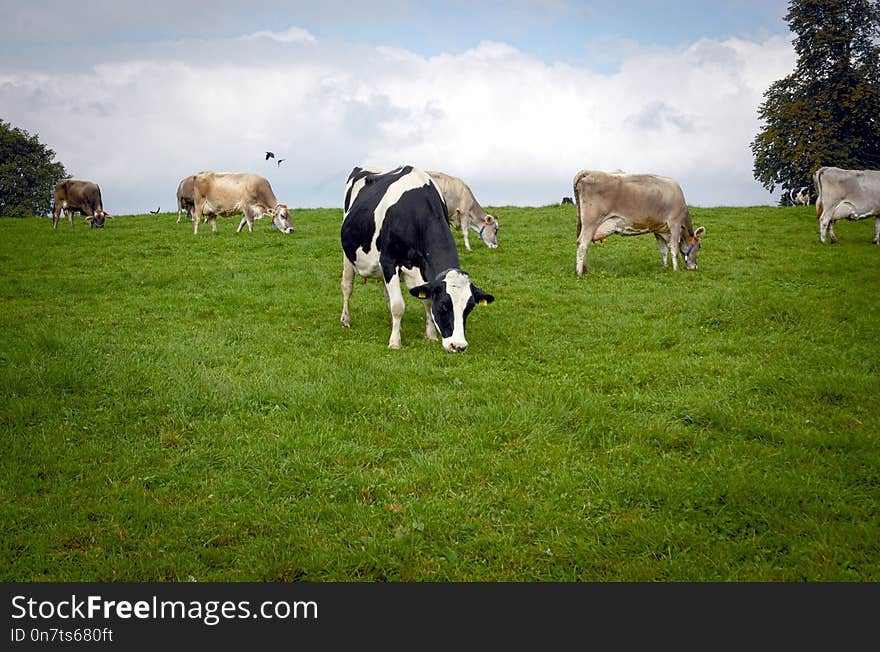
(483, 302)
(422, 295)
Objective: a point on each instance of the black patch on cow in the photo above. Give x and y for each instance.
(356, 173)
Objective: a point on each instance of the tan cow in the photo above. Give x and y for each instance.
(846, 195)
(185, 197)
(634, 204)
(78, 195)
(464, 211)
(236, 193)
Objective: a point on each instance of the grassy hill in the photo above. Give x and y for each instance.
(175, 407)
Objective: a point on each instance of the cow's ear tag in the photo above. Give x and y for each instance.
(483, 302)
(422, 295)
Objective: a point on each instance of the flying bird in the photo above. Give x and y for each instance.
(281, 160)
(155, 211)
(270, 155)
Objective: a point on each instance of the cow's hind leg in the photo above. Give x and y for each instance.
(347, 286)
(584, 238)
(876, 239)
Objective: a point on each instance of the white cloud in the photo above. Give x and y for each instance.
(292, 35)
(514, 127)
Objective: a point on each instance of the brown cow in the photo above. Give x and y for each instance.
(77, 195)
(185, 197)
(634, 204)
(236, 193)
(464, 211)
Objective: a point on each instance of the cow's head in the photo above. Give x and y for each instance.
(281, 218)
(689, 247)
(452, 296)
(97, 220)
(489, 231)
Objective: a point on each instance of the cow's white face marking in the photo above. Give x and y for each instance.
(458, 287)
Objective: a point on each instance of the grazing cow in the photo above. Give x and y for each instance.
(395, 226)
(236, 193)
(634, 204)
(567, 200)
(846, 194)
(800, 197)
(464, 211)
(185, 197)
(78, 195)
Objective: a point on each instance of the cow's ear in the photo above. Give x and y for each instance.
(108, 216)
(700, 232)
(421, 291)
(482, 298)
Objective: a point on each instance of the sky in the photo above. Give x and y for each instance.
(514, 97)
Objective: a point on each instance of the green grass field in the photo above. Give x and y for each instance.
(176, 407)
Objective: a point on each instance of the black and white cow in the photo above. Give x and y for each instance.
(395, 226)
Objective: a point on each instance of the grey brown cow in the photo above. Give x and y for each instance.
(634, 204)
(237, 193)
(464, 211)
(185, 197)
(846, 195)
(72, 195)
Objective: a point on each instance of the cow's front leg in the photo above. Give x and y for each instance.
(876, 239)
(464, 233)
(430, 328)
(396, 307)
(674, 245)
(664, 250)
(347, 286)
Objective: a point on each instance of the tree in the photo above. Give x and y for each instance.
(827, 112)
(27, 174)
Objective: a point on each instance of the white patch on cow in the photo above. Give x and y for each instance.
(458, 287)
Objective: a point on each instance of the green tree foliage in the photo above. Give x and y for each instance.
(827, 112)
(27, 174)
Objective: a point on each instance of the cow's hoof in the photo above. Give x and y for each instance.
(431, 336)
(394, 346)
(345, 323)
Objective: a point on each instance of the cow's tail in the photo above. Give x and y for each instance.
(817, 182)
(577, 201)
